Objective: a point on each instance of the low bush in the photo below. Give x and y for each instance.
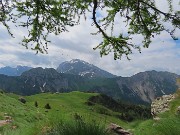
(22, 100)
(35, 104)
(47, 106)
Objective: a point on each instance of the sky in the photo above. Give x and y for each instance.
(162, 55)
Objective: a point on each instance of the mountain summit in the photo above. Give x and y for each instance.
(82, 68)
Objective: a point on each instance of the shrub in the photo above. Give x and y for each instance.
(47, 106)
(36, 104)
(23, 100)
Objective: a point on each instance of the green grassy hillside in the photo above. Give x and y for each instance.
(25, 118)
(32, 118)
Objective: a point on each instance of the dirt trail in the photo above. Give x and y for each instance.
(3, 122)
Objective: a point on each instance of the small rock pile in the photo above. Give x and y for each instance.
(161, 104)
(118, 130)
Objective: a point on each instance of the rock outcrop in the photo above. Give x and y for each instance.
(161, 104)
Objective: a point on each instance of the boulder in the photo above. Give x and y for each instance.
(118, 130)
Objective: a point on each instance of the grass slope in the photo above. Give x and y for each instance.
(30, 120)
(25, 118)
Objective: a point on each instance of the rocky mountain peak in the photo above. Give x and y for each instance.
(83, 68)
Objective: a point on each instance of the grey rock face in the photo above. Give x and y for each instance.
(149, 85)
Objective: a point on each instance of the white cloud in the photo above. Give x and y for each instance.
(163, 53)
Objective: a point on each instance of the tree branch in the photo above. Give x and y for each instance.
(165, 14)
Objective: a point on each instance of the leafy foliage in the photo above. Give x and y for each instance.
(42, 17)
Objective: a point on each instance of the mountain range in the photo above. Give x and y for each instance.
(16, 71)
(141, 88)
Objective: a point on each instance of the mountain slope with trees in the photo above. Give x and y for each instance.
(141, 88)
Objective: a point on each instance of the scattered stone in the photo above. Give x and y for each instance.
(118, 129)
